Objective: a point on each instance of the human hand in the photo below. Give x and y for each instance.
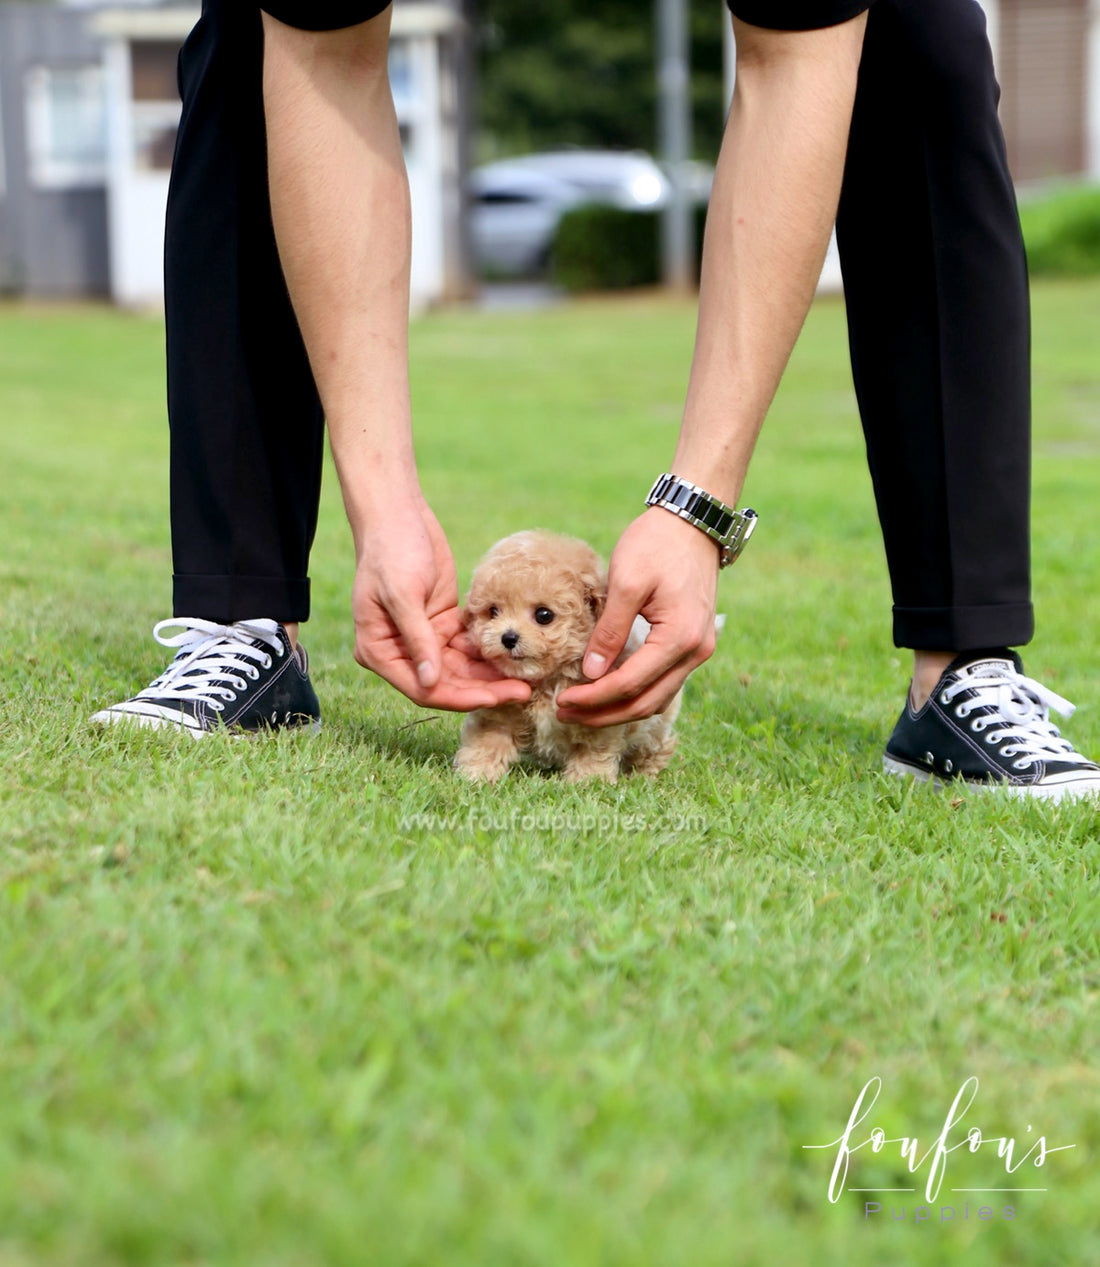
(408, 626)
(666, 570)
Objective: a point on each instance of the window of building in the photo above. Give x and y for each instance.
(156, 103)
(1043, 66)
(66, 126)
(153, 68)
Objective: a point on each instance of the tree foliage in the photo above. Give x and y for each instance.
(569, 72)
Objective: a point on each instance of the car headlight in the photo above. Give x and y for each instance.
(646, 189)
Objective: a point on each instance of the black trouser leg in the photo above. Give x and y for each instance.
(936, 288)
(246, 424)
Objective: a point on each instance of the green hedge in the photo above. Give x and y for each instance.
(1062, 232)
(606, 248)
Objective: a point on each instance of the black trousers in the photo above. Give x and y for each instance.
(936, 290)
(247, 431)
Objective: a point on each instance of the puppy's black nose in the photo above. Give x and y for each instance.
(509, 638)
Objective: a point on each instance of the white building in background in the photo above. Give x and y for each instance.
(140, 46)
(1047, 54)
(88, 116)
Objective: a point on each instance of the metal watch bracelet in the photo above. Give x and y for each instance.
(729, 529)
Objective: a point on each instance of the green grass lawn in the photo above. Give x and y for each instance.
(311, 1002)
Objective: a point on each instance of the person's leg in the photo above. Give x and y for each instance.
(340, 204)
(246, 423)
(936, 286)
(246, 419)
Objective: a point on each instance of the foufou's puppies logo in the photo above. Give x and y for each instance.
(934, 1161)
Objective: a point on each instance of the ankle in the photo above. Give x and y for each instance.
(292, 634)
(928, 668)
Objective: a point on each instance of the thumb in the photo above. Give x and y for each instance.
(610, 634)
(421, 641)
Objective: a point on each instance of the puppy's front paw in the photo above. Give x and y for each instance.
(652, 760)
(486, 760)
(591, 765)
(476, 767)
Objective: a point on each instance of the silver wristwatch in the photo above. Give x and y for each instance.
(730, 529)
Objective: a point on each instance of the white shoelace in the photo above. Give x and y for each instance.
(214, 660)
(1021, 713)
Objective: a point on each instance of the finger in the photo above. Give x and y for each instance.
(382, 650)
(653, 700)
(646, 666)
(449, 625)
(476, 670)
(458, 665)
(455, 695)
(506, 691)
(464, 699)
(421, 641)
(611, 631)
(465, 645)
(469, 660)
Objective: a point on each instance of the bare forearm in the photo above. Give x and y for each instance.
(340, 205)
(772, 209)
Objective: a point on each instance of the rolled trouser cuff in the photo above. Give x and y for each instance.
(963, 628)
(324, 15)
(227, 599)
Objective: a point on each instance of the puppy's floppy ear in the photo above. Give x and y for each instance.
(595, 591)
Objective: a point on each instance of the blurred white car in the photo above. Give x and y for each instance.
(515, 204)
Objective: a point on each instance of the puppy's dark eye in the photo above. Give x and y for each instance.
(493, 613)
(543, 615)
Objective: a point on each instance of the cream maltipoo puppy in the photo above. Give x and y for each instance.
(533, 604)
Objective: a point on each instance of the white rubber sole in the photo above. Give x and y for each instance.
(147, 717)
(1067, 787)
(154, 717)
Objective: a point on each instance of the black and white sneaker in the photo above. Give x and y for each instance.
(987, 724)
(245, 676)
